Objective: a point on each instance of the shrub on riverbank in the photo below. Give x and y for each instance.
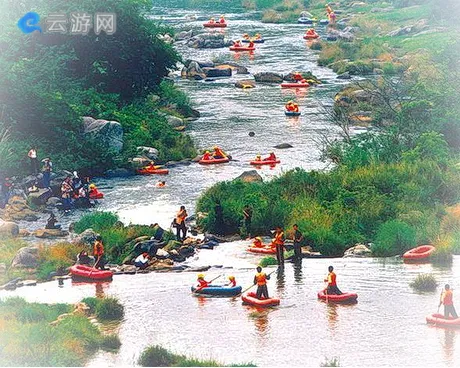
(156, 356)
(424, 282)
(28, 339)
(106, 309)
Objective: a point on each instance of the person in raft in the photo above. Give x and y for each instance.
(257, 243)
(258, 158)
(207, 156)
(232, 281)
(98, 252)
(298, 239)
(447, 300)
(161, 184)
(251, 44)
(83, 258)
(331, 280)
(261, 280)
(202, 283)
(180, 224)
(237, 43)
(222, 19)
(218, 153)
(212, 21)
(271, 157)
(297, 76)
(278, 243)
(258, 36)
(310, 32)
(142, 261)
(246, 36)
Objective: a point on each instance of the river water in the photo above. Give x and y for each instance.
(387, 326)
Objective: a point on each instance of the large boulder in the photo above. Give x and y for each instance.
(50, 233)
(40, 197)
(245, 84)
(174, 121)
(250, 177)
(359, 250)
(8, 228)
(26, 257)
(53, 201)
(107, 132)
(140, 161)
(268, 77)
(209, 41)
(217, 72)
(283, 146)
(193, 71)
(87, 237)
(184, 35)
(17, 209)
(150, 152)
(341, 36)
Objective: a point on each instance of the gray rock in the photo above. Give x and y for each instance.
(40, 197)
(245, 84)
(150, 152)
(119, 173)
(53, 201)
(8, 228)
(361, 95)
(174, 121)
(268, 77)
(29, 282)
(345, 75)
(26, 257)
(140, 161)
(343, 36)
(107, 132)
(216, 72)
(359, 250)
(50, 233)
(184, 35)
(87, 237)
(250, 177)
(193, 70)
(283, 146)
(209, 41)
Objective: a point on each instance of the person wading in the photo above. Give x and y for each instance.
(447, 300)
(278, 243)
(98, 252)
(261, 280)
(298, 239)
(180, 224)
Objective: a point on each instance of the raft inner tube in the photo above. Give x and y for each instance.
(214, 25)
(342, 298)
(292, 113)
(214, 161)
(255, 41)
(251, 299)
(218, 290)
(234, 48)
(423, 252)
(439, 320)
(264, 162)
(90, 273)
(144, 171)
(265, 250)
(295, 85)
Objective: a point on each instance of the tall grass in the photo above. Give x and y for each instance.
(424, 282)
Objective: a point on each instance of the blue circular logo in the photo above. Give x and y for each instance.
(29, 23)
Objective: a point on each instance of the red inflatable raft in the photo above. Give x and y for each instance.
(310, 37)
(96, 195)
(421, 253)
(214, 161)
(90, 273)
(439, 320)
(294, 85)
(264, 250)
(234, 48)
(214, 25)
(251, 299)
(263, 162)
(153, 171)
(342, 298)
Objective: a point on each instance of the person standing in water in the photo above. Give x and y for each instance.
(180, 224)
(447, 300)
(331, 280)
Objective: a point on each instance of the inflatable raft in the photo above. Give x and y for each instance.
(251, 299)
(214, 161)
(292, 113)
(419, 254)
(310, 37)
(96, 195)
(342, 298)
(294, 85)
(153, 171)
(234, 48)
(214, 25)
(264, 162)
(264, 250)
(90, 273)
(439, 320)
(218, 290)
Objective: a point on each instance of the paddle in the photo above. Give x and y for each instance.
(325, 292)
(250, 287)
(202, 287)
(94, 267)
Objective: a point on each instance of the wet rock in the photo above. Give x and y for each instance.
(251, 176)
(184, 35)
(26, 257)
(161, 253)
(217, 72)
(186, 251)
(30, 283)
(345, 75)
(283, 146)
(128, 269)
(342, 36)
(17, 209)
(174, 121)
(306, 75)
(87, 237)
(198, 269)
(8, 228)
(166, 38)
(193, 70)
(268, 77)
(140, 161)
(163, 264)
(245, 84)
(358, 4)
(331, 38)
(50, 233)
(53, 201)
(149, 152)
(119, 173)
(359, 250)
(251, 134)
(209, 41)
(106, 132)
(150, 246)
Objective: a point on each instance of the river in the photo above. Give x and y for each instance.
(387, 326)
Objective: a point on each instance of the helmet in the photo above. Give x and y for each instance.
(207, 151)
(201, 275)
(289, 102)
(215, 147)
(222, 16)
(231, 277)
(258, 156)
(92, 186)
(258, 238)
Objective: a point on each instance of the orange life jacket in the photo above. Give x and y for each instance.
(232, 283)
(98, 248)
(207, 156)
(181, 216)
(218, 152)
(447, 297)
(257, 243)
(203, 283)
(279, 238)
(331, 279)
(261, 278)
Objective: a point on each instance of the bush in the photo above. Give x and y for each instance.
(98, 221)
(424, 282)
(268, 261)
(110, 343)
(393, 237)
(109, 309)
(333, 362)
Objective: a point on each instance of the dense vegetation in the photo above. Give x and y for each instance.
(392, 186)
(28, 339)
(156, 356)
(424, 282)
(50, 80)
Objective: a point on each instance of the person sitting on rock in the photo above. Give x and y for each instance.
(222, 19)
(311, 32)
(207, 156)
(271, 157)
(52, 223)
(83, 258)
(257, 243)
(142, 261)
(218, 153)
(232, 282)
(33, 188)
(202, 283)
